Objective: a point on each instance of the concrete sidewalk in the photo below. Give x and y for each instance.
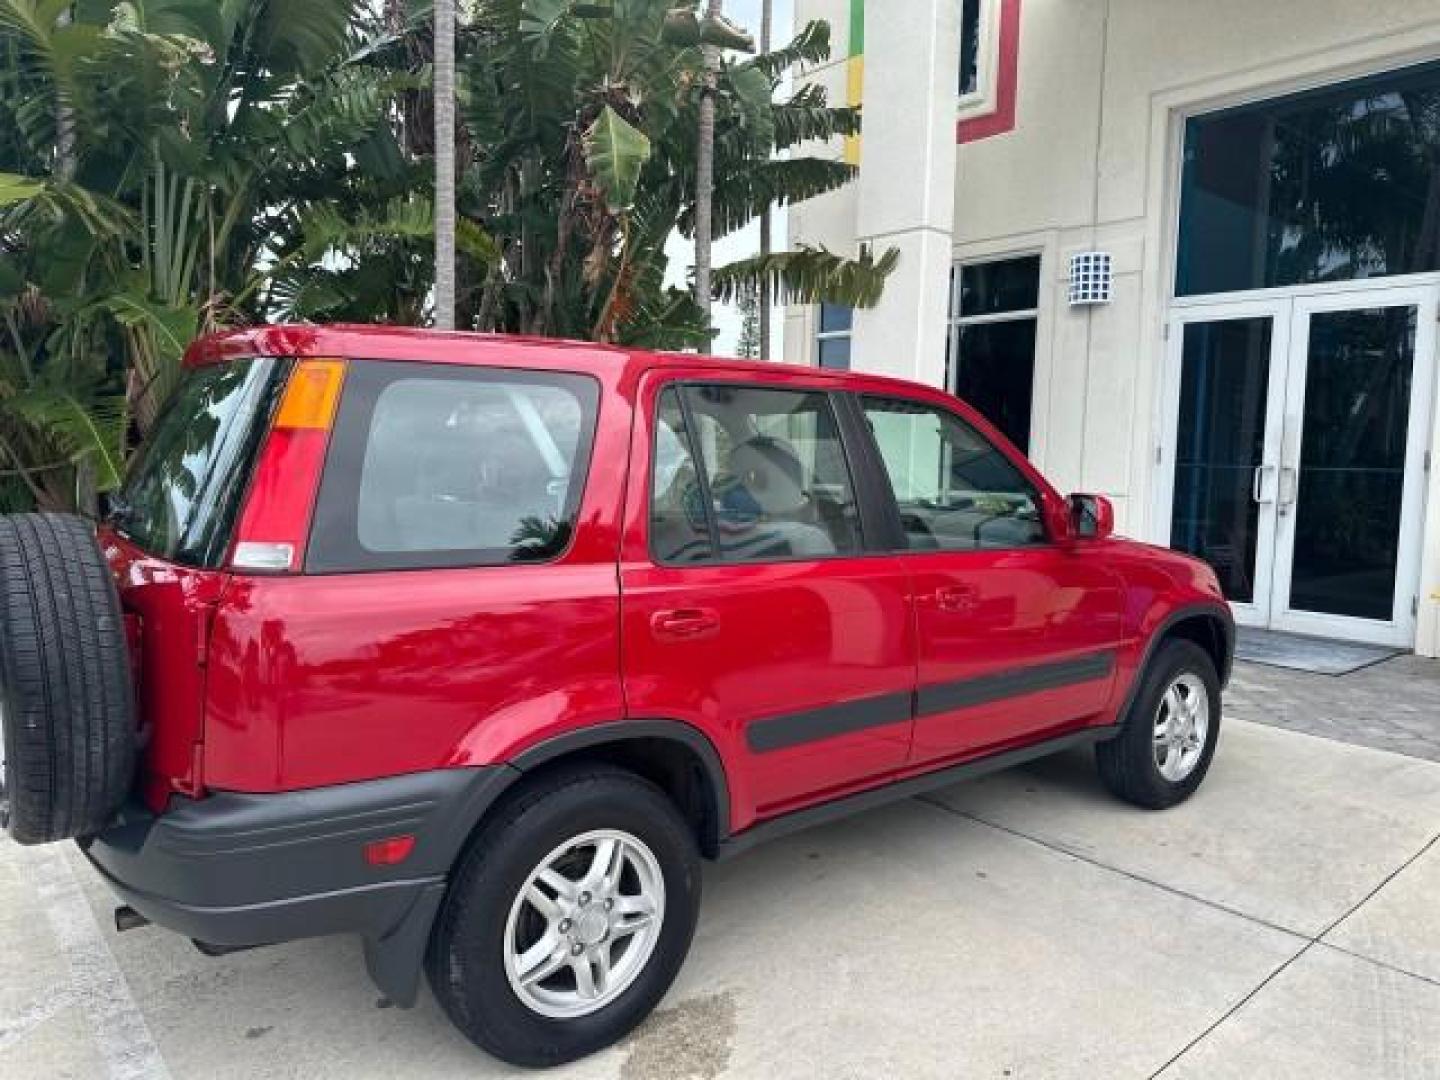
(1284, 923)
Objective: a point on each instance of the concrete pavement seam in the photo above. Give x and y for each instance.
(1396, 968)
(1317, 940)
(1310, 942)
(1141, 878)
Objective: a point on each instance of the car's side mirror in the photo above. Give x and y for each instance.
(1092, 517)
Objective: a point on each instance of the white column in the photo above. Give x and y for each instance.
(907, 182)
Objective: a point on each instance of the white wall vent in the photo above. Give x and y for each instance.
(1092, 278)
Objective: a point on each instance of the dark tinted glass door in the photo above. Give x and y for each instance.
(1351, 484)
(1225, 370)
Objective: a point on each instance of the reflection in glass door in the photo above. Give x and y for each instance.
(1230, 383)
(1352, 470)
(1297, 438)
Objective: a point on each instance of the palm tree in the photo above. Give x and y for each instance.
(445, 164)
(581, 122)
(171, 167)
(705, 171)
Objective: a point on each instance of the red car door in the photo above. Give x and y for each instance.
(752, 604)
(1017, 634)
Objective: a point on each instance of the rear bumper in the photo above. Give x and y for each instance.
(242, 870)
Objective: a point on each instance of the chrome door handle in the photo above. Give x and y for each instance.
(958, 599)
(1257, 483)
(685, 624)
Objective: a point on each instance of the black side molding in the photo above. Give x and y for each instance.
(969, 693)
(795, 729)
(906, 789)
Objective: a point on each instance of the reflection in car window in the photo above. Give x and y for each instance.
(955, 490)
(456, 465)
(435, 465)
(679, 528)
(183, 493)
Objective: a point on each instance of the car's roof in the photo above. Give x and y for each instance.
(369, 342)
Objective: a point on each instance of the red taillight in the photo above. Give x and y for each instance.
(276, 521)
(390, 851)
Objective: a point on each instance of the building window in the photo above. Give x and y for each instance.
(990, 355)
(979, 46)
(832, 343)
(969, 48)
(1326, 185)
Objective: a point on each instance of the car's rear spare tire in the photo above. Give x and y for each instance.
(67, 714)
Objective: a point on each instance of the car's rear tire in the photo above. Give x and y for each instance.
(67, 715)
(1168, 738)
(495, 938)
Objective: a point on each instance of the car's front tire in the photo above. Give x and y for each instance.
(1168, 737)
(568, 917)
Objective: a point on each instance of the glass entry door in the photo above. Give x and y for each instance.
(1297, 433)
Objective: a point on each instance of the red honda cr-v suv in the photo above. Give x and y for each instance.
(474, 646)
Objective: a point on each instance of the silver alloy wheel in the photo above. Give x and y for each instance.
(584, 924)
(1182, 724)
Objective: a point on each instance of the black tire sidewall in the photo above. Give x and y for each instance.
(1142, 779)
(9, 717)
(65, 680)
(466, 963)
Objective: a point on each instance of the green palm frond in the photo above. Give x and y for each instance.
(807, 117)
(811, 275)
(90, 430)
(327, 231)
(741, 195)
(810, 46)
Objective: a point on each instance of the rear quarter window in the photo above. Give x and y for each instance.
(435, 465)
(183, 492)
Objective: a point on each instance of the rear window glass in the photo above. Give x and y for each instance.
(438, 465)
(184, 491)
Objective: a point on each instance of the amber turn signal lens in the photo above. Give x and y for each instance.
(311, 395)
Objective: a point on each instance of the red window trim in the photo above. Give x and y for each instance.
(1007, 78)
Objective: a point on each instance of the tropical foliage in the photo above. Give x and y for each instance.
(169, 166)
(582, 121)
(172, 166)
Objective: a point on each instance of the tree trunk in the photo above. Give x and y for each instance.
(766, 15)
(705, 177)
(445, 164)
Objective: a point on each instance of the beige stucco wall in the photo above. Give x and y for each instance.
(1103, 89)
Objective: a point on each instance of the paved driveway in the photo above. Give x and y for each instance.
(1284, 923)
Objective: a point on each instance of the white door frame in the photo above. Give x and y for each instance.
(1290, 310)
(1400, 628)
(1265, 482)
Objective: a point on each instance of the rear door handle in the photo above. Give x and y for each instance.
(685, 624)
(957, 598)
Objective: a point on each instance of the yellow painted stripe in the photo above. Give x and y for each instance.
(854, 97)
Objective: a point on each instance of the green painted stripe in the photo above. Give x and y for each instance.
(857, 28)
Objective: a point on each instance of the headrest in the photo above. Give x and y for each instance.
(770, 470)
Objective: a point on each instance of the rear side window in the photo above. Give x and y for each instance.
(183, 494)
(757, 473)
(434, 465)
